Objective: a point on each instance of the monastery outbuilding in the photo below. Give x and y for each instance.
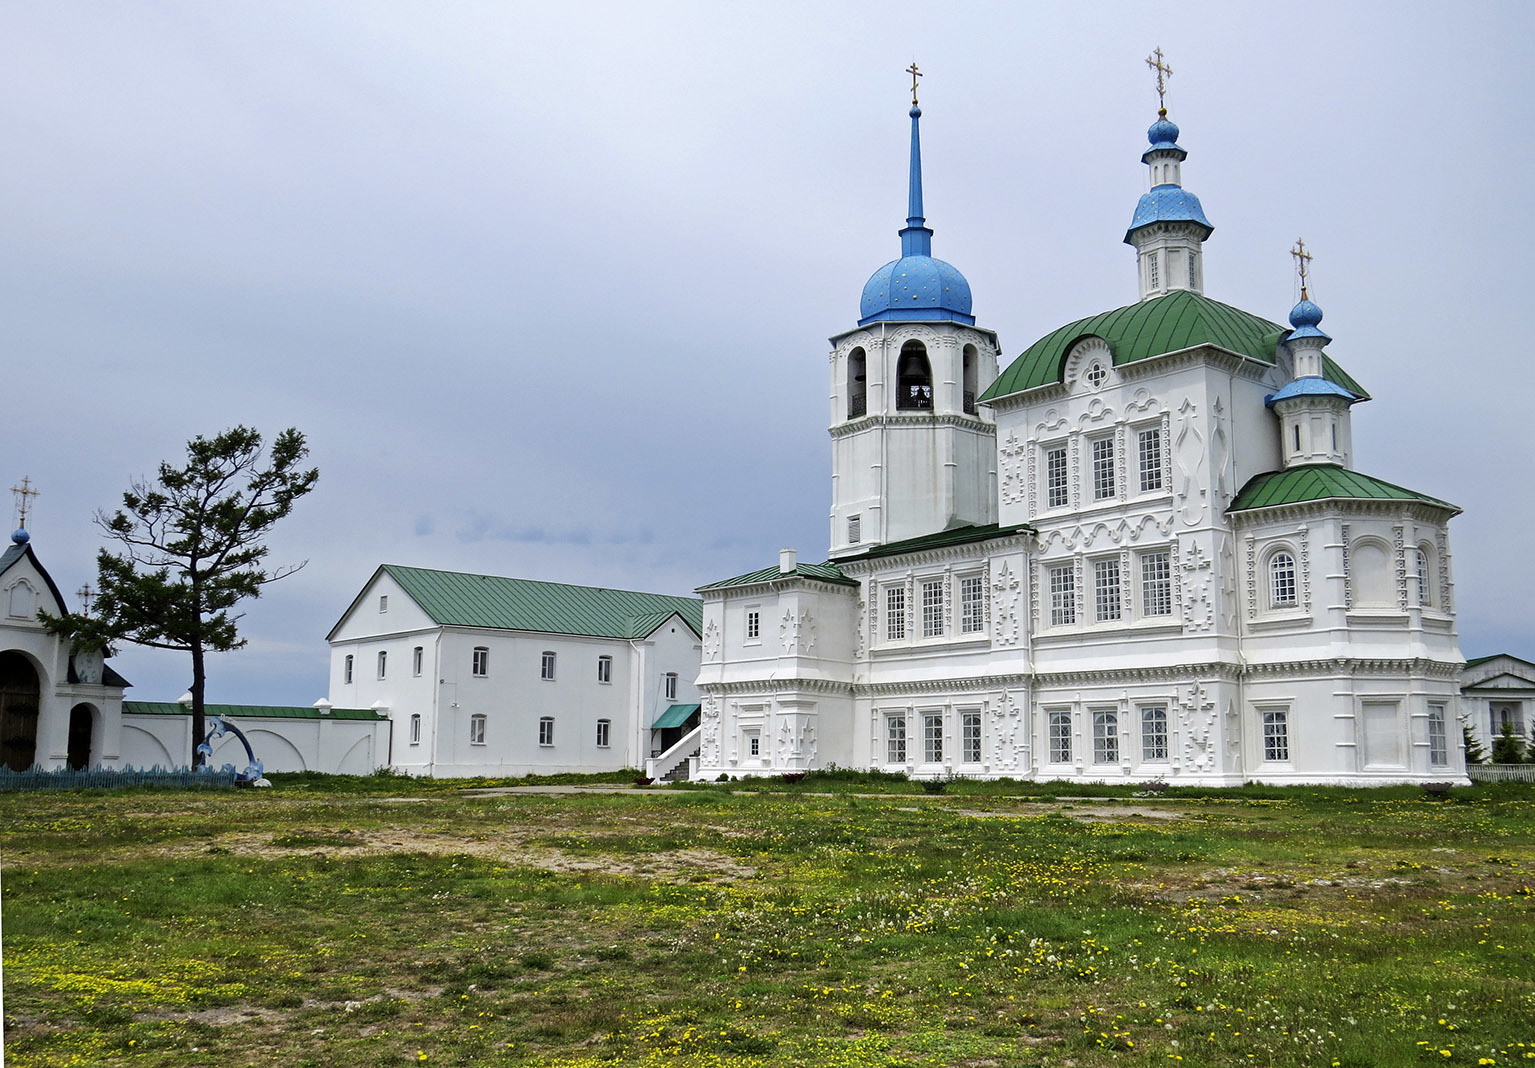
(1138, 550)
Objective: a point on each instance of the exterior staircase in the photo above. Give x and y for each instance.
(679, 762)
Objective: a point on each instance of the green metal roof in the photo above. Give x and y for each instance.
(675, 716)
(957, 536)
(1148, 328)
(454, 599)
(1323, 482)
(820, 572)
(174, 708)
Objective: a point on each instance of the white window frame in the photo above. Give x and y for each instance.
(605, 670)
(417, 657)
(477, 729)
(970, 737)
(1153, 278)
(1105, 736)
(895, 738)
(1157, 583)
(1438, 735)
(1105, 473)
(932, 737)
(545, 731)
(932, 608)
(1275, 736)
(604, 733)
(1154, 738)
(753, 745)
(895, 612)
(1283, 585)
(383, 602)
(1424, 574)
(1108, 599)
(753, 625)
(415, 728)
(346, 669)
(1058, 740)
(546, 663)
(1062, 582)
(972, 604)
(383, 663)
(1057, 477)
(479, 662)
(1148, 445)
(669, 686)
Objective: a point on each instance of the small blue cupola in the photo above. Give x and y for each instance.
(1313, 410)
(1169, 227)
(917, 286)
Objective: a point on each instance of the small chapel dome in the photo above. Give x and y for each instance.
(915, 287)
(1163, 135)
(21, 537)
(1306, 313)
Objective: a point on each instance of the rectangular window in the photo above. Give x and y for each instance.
(972, 604)
(346, 669)
(1063, 596)
(477, 729)
(1193, 270)
(415, 660)
(1276, 735)
(932, 738)
(753, 626)
(1156, 584)
(480, 666)
(1105, 737)
(546, 665)
(1060, 737)
(415, 728)
(1153, 281)
(895, 612)
(932, 609)
(1103, 469)
(383, 602)
(970, 738)
(1057, 489)
(1154, 733)
(604, 669)
(1106, 603)
(604, 733)
(383, 663)
(1438, 746)
(546, 730)
(754, 744)
(1149, 443)
(854, 529)
(669, 681)
(895, 739)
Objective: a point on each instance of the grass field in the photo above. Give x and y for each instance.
(389, 921)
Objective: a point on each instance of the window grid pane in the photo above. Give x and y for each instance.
(477, 730)
(971, 739)
(1157, 584)
(546, 730)
(753, 626)
(604, 669)
(1060, 737)
(604, 733)
(1105, 737)
(1425, 591)
(481, 661)
(546, 666)
(1063, 596)
(1106, 590)
(895, 613)
(1056, 486)
(1150, 442)
(1103, 469)
(932, 609)
(1154, 734)
(932, 739)
(1438, 745)
(972, 604)
(895, 739)
(1276, 736)
(1282, 580)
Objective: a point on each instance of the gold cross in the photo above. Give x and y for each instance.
(1302, 264)
(915, 74)
(23, 494)
(1154, 61)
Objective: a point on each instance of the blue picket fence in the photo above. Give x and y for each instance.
(99, 778)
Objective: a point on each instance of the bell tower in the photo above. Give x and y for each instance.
(912, 454)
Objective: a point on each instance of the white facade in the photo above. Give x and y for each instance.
(1176, 574)
(1498, 691)
(501, 700)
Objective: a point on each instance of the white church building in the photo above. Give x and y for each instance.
(1139, 550)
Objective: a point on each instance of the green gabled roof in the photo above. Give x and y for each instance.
(454, 599)
(675, 716)
(1148, 328)
(942, 539)
(173, 708)
(1323, 482)
(820, 572)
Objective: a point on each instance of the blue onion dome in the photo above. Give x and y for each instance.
(1306, 313)
(916, 288)
(21, 537)
(1163, 133)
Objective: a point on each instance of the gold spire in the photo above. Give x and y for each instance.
(24, 494)
(915, 74)
(1154, 61)
(1302, 264)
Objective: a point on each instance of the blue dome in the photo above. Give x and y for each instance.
(1168, 203)
(1306, 313)
(21, 537)
(1163, 136)
(916, 288)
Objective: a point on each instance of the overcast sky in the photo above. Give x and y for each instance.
(548, 287)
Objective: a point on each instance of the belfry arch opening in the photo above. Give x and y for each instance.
(971, 371)
(913, 378)
(857, 383)
(20, 701)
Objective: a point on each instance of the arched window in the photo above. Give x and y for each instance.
(1282, 580)
(1425, 571)
(913, 379)
(857, 384)
(972, 361)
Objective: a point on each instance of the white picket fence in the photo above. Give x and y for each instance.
(1501, 772)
